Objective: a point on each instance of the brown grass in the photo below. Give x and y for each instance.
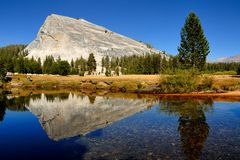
(226, 82)
(74, 78)
(74, 81)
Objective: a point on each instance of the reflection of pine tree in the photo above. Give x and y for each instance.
(193, 127)
(2, 107)
(63, 96)
(91, 99)
(53, 97)
(194, 133)
(15, 104)
(2, 110)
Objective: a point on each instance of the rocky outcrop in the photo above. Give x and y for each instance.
(72, 38)
(78, 115)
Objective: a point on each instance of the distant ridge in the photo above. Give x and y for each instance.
(230, 59)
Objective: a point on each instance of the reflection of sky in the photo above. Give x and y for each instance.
(226, 109)
(227, 105)
(18, 123)
(21, 136)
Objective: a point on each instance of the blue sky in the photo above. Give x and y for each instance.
(157, 22)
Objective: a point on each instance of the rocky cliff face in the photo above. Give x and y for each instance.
(72, 38)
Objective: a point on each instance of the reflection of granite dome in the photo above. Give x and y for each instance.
(77, 116)
(72, 38)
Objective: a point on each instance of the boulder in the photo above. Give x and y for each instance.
(88, 86)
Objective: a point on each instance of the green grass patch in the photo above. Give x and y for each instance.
(224, 73)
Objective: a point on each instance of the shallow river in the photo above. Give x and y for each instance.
(72, 126)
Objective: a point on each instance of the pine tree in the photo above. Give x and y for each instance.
(91, 63)
(47, 65)
(238, 71)
(72, 63)
(103, 64)
(21, 65)
(3, 71)
(54, 68)
(39, 66)
(63, 67)
(194, 46)
(9, 65)
(107, 66)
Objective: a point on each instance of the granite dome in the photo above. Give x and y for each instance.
(72, 38)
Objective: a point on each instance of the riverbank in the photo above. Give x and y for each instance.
(222, 85)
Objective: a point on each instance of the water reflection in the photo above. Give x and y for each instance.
(193, 127)
(65, 115)
(12, 104)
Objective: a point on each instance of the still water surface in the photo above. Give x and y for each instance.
(71, 126)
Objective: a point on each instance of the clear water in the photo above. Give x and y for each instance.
(71, 126)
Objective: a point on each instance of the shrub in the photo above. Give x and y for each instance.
(183, 81)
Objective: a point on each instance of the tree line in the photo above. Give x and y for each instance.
(14, 59)
(63, 67)
(134, 64)
(157, 64)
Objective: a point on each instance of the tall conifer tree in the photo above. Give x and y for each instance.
(194, 46)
